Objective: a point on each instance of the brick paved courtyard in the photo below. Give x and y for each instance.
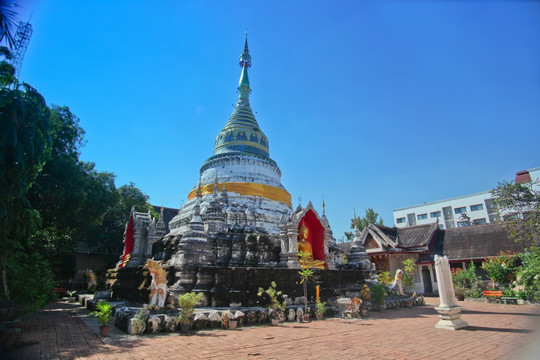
(496, 332)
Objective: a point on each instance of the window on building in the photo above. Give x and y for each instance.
(422, 216)
(463, 223)
(441, 226)
(479, 221)
(494, 218)
(435, 214)
(460, 210)
(477, 207)
(450, 224)
(490, 206)
(400, 220)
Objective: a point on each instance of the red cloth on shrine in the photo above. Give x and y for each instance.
(129, 240)
(316, 234)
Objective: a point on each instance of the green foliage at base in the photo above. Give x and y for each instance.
(527, 283)
(385, 278)
(320, 308)
(30, 280)
(187, 303)
(466, 283)
(273, 294)
(378, 293)
(103, 312)
(409, 266)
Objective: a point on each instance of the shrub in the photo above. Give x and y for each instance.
(409, 266)
(527, 284)
(187, 303)
(320, 308)
(466, 282)
(500, 268)
(385, 278)
(142, 315)
(377, 294)
(365, 293)
(273, 294)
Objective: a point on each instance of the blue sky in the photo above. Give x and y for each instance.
(372, 103)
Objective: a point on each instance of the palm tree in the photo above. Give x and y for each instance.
(8, 22)
(305, 275)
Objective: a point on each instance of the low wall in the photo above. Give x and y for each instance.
(223, 286)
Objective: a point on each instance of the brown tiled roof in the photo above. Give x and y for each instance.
(417, 236)
(408, 238)
(473, 242)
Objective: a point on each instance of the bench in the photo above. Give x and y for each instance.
(493, 294)
(59, 291)
(509, 299)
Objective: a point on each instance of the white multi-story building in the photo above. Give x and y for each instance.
(459, 211)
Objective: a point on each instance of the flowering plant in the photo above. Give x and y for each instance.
(500, 268)
(466, 282)
(142, 315)
(365, 293)
(354, 305)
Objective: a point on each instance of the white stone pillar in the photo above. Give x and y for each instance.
(450, 317)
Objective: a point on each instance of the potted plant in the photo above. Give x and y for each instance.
(305, 275)
(187, 303)
(103, 313)
(320, 308)
(71, 295)
(276, 307)
(365, 295)
(137, 324)
(377, 294)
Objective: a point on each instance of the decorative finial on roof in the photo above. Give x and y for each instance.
(199, 190)
(323, 206)
(245, 58)
(355, 219)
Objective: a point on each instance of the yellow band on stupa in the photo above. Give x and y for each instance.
(250, 189)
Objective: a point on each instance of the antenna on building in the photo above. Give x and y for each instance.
(22, 38)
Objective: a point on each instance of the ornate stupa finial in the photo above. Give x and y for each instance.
(245, 58)
(355, 220)
(242, 134)
(243, 85)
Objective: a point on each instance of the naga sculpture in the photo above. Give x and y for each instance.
(158, 287)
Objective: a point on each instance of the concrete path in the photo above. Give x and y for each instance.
(496, 332)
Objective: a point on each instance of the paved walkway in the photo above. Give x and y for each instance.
(496, 332)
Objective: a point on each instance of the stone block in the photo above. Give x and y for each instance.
(450, 318)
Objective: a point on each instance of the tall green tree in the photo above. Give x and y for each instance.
(24, 148)
(71, 196)
(370, 217)
(519, 209)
